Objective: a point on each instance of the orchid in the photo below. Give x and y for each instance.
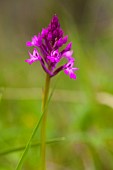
(47, 50)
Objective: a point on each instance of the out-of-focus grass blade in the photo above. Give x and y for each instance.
(51, 141)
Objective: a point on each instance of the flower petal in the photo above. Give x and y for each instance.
(29, 44)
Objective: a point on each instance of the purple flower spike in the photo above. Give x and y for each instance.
(49, 42)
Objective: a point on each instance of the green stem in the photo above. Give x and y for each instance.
(43, 125)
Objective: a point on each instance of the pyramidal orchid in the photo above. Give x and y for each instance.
(47, 50)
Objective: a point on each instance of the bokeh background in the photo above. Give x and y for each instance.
(81, 110)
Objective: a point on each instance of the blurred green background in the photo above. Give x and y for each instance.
(81, 110)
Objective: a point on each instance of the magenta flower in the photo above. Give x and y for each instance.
(69, 69)
(33, 57)
(48, 43)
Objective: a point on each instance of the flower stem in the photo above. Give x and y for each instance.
(43, 124)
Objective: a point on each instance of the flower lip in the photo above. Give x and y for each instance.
(69, 69)
(54, 57)
(33, 57)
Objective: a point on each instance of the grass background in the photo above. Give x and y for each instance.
(81, 110)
